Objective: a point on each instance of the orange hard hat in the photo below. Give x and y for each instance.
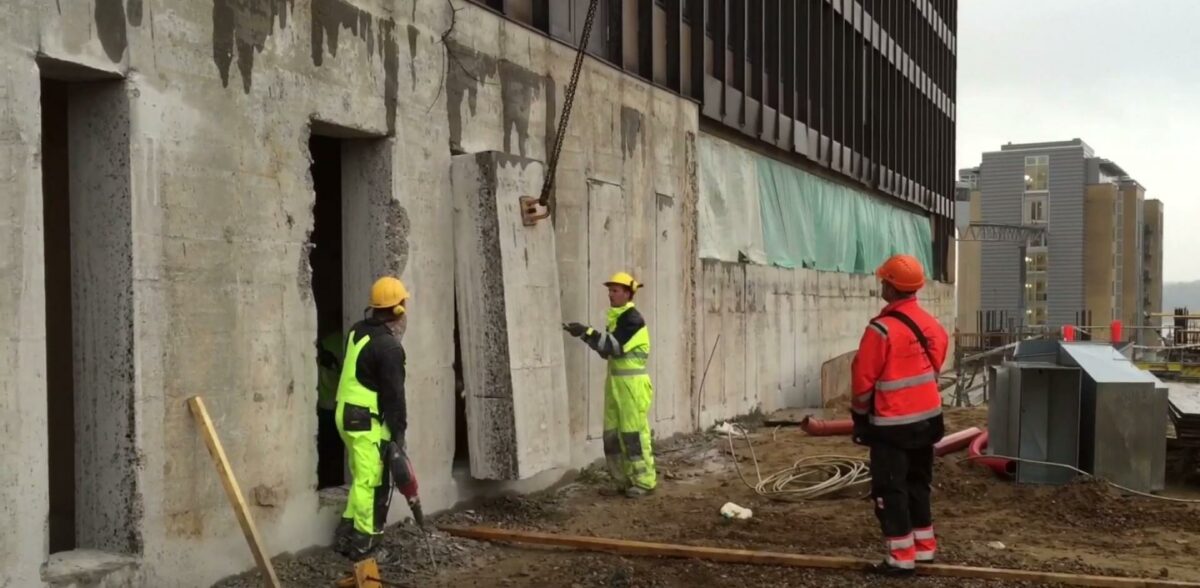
(903, 272)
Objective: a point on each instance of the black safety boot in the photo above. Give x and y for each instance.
(885, 569)
(361, 546)
(341, 534)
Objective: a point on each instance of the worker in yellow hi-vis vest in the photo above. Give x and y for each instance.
(371, 414)
(628, 392)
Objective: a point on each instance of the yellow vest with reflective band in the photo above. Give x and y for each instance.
(350, 390)
(637, 349)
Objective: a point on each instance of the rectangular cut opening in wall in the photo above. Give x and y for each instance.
(510, 319)
(91, 431)
(357, 236)
(325, 258)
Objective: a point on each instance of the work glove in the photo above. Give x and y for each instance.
(575, 329)
(862, 426)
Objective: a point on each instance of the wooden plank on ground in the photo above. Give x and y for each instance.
(742, 556)
(196, 404)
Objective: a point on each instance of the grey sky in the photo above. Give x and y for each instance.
(1123, 75)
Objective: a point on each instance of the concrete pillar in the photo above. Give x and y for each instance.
(509, 320)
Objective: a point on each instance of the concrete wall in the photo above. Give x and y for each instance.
(1134, 196)
(1099, 252)
(969, 274)
(222, 97)
(769, 329)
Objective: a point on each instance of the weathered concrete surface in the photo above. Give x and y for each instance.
(90, 569)
(508, 296)
(107, 502)
(772, 328)
(23, 486)
(222, 95)
(625, 179)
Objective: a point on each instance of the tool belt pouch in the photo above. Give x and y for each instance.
(356, 418)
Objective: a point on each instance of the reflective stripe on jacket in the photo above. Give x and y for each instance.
(625, 343)
(892, 378)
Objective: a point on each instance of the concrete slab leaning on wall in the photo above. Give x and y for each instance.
(514, 367)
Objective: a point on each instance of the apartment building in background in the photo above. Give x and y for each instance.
(1098, 258)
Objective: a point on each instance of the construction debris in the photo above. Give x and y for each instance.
(1070, 530)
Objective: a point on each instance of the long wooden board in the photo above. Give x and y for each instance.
(196, 404)
(741, 556)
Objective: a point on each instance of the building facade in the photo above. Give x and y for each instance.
(196, 193)
(1087, 267)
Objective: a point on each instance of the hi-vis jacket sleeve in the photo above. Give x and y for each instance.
(939, 343)
(867, 367)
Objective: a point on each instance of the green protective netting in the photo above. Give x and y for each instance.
(811, 222)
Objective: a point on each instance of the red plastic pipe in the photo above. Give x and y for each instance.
(956, 441)
(999, 465)
(822, 428)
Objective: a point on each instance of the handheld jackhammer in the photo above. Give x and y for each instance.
(406, 481)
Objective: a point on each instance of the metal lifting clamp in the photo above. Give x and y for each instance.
(532, 211)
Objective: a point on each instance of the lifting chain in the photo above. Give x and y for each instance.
(527, 204)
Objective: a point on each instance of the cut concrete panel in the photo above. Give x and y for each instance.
(509, 315)
(108, 505)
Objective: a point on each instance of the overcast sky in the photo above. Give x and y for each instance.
(1123, 75)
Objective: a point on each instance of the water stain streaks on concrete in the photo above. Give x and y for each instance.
(631, 129)
(469, 70)
(246, 24)
(133, 11)
(331, 16)
(413, 35)
(110, 27)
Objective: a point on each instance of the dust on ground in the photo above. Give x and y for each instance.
(1085, 527)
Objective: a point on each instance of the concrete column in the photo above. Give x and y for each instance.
(509, 320)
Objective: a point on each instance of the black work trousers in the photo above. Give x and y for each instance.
(900, 487)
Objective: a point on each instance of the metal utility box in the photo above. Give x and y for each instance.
(1123, 418)
(1034, 414)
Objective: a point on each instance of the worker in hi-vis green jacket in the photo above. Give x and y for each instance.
(628, 391)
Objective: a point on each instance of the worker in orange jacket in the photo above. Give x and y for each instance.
(897, 412)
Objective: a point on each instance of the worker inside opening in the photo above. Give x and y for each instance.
(897, 412)
(371, 419)
(628, 392)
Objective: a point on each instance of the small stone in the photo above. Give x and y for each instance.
(995, 545)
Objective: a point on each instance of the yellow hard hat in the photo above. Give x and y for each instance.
(624, 279)
(389, 292)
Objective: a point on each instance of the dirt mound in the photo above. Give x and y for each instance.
(1096, 506)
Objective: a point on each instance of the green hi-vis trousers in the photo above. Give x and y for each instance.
(371, 490)
(627, 447)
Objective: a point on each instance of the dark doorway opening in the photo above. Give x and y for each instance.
(325, 258)
(60, 370)
(91, 451)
